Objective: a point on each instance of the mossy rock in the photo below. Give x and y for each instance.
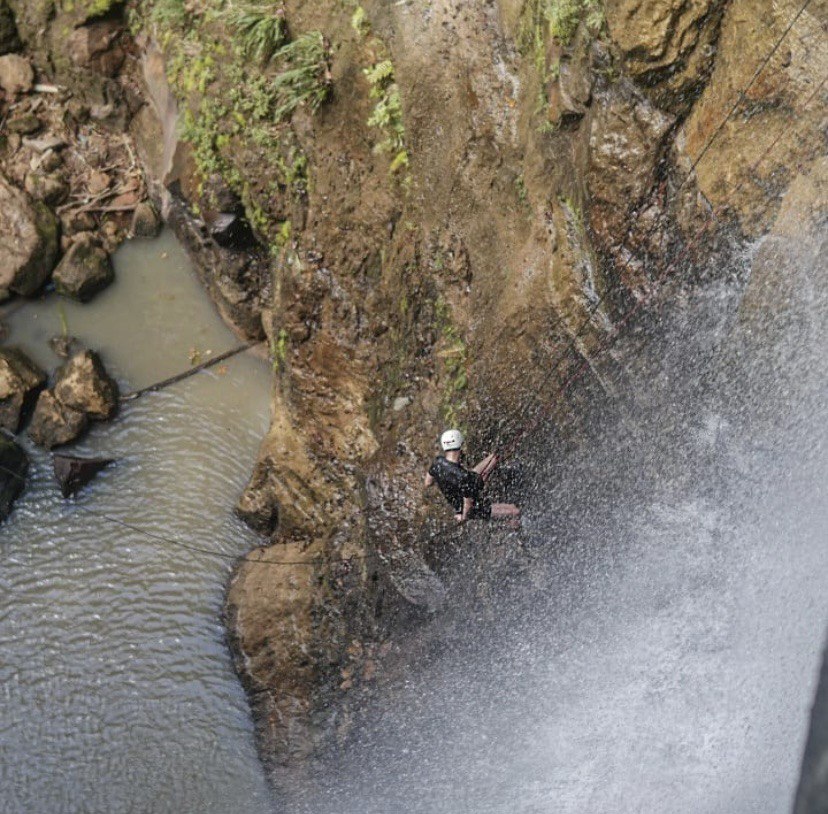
(84, 10)
(32, 18)
(84, 270)
(27, 260)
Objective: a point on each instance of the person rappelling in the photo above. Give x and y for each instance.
(463, 487)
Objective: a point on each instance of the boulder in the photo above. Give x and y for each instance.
(73, 473)
(28, 241)
(16, 74)
(145, 221)
(258, 507)
(20, 381)
(94, 46)
(72, 223)
(62, 345)
(53, 423)
(13, 467)
(51, 188)
(84, 270)
(83, 384)
(9, 41)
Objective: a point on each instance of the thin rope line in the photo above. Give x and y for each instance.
(749, 85)
(571, 343)
(579, 371)
(613, 335)
(188, 546)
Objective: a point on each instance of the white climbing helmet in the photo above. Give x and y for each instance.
(451, 439)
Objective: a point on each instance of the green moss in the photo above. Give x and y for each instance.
(360, 23)
(282, 239)
(168, 14)
(89, 9)
(574, 213)
(279, 350)
(557, 20)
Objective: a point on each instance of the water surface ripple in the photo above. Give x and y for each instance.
(116, 688)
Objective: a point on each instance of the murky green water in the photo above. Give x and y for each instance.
(116, 688)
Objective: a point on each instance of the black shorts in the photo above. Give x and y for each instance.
(482, 509)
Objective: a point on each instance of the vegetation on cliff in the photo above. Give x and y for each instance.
(457, 202)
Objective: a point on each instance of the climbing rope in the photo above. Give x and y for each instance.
(188, 546)
(572, 343)
(613, 335)
(179, 377)
(713, 216)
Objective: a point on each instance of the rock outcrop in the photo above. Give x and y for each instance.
(83, 391)
(549, 187)
(668, 46)
(20, 381)
(83, 384)
(54, 424)
(73, 473)
(84, 270)
(16, 74)
(13, 468)
(626, 143)
(29, 246)
(783, 107)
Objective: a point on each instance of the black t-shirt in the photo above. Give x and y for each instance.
(455, 481)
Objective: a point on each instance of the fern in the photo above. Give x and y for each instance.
(387, 114)
(261, 31)
(378, 75)
(359, 22)
(306, 78)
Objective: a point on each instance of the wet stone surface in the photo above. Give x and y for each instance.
(20, 380)
(13, 467)
(84, 270)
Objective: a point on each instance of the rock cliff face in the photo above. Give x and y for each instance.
(551, 182)
(445, 218)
